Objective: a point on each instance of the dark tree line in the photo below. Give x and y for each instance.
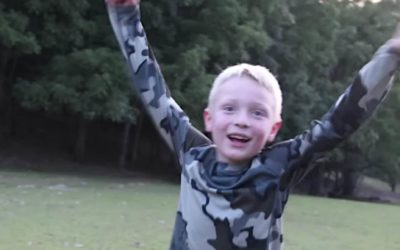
(60, 58)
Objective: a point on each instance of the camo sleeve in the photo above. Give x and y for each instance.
(352, 108)
(169, 119)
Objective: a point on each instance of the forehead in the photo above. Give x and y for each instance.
(246, 89)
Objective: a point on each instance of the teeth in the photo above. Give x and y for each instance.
(239, 137)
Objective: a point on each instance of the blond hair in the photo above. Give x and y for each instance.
(256, 72)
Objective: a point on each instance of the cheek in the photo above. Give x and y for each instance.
(221, 121)
(262, 131)
(216, 126)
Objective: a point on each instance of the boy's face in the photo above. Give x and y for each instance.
(241, 119)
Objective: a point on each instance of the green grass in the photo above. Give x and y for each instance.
(316, 223)
(59, 211)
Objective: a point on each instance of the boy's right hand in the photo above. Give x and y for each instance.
(123, 2)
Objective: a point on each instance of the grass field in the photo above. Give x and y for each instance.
(60, 211)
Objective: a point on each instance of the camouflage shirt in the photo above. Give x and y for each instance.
(221, 207)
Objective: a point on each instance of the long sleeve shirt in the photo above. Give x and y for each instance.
(225, 208)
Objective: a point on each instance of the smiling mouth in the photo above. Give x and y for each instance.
(239, 138)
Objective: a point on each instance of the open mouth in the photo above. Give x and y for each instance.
(239, 138)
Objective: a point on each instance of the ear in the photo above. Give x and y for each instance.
(274, 130)
(207, 119)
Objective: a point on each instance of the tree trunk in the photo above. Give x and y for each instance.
(393, 187)
(3, 76)
(350, 169)
(80, 143)
(124, 145)
(350, 178)
(336, 186)
(10, 102)
(136, 141)
(392, 183)
(316, 183)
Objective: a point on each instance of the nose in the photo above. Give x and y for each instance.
(242, 120)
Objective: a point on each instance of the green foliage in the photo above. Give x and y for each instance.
(78, 73)
(364, 29)
(304, 52)
(195, 40)
(14, 33)
(58, 24)
(383, 152)
(91, 83)
(67, 58)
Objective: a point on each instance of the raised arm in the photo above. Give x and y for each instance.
(352, 108)
(169, 119)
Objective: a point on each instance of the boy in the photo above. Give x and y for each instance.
(234, 190)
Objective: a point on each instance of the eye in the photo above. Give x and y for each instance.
(260, 113)
(228, 108)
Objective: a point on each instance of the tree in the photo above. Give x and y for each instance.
(88, 84)
(191, 52)
(364, 29)
(16, 40)
(383, 154)
(31, 32)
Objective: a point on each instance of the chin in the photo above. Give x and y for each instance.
(240, 160)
